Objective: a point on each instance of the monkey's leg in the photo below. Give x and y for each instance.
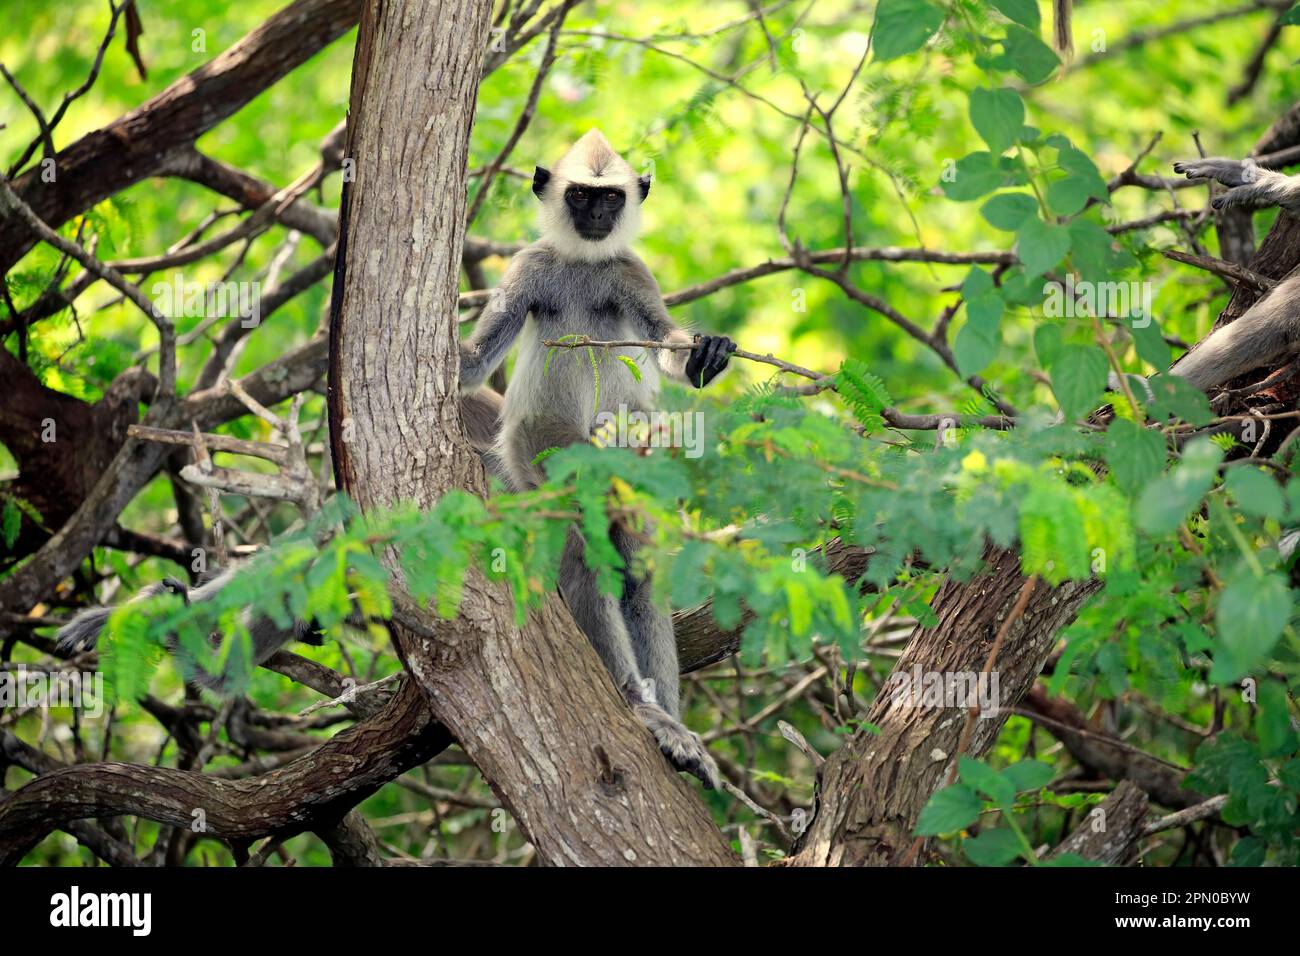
(655, 646)
(601, 619)
(649, 628)
(596, 614)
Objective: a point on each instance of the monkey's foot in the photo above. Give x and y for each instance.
(682, 746)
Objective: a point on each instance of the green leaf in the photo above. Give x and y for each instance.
(992, 847)
(11, 522)
(631, 366)
(1251, 614)
(1078, 379)
(974, 175)
(1041, 245)
(1291, 17)
(1029, 775)
(1167, 502)
(997, 116)
(1047, 343)
(1174, 397)
(1150, 344)
(1277, 738)
(1068, 196)
(1008, 211)
(1024, 12)
(953, 808)
(978, 341)
(987, 781)
(1255, 493)
(1136, 455)
(903, 26)
(1027, 55)
(977, 283)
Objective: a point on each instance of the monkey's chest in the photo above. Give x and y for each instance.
(558, 376)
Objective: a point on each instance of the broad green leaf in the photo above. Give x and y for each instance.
(1041, 245)
(1255, 493)
(953, 808)
(1008, 211)
(1047, 343)
(973, 176)
(1167, 501)
(1029, 775)
(997, 116)
(1078, 379)
(992, 847)
(1024, 12)
(986, 780)
(1251, 614)
(1027, 55)
(1135, 455)
(903, 26)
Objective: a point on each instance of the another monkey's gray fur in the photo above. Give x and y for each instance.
(82, 632)
(581, 278)
(1270, 327)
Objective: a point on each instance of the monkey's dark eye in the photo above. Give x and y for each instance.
(613, 199)
(577, 197)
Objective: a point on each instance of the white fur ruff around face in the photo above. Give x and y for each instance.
(590, 162)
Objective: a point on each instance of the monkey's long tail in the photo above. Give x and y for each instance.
(1268, 329)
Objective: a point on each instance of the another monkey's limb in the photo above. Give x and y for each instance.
(1266, 330)
(1251, 185)
(1270, 327)
(1063, 37)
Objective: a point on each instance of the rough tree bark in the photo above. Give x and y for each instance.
(871, 790)
(533, 707)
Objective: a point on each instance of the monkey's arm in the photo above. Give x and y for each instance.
(497, 328)
(645, 303)
(1266, 330)
(1271, 326)
(1250, 185)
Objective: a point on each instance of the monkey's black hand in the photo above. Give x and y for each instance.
(708, 358)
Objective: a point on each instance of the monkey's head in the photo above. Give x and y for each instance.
(591, 203)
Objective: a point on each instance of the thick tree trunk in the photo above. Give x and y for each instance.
(533, 708)
(872, 789)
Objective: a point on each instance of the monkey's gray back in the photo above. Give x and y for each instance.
(551, 404)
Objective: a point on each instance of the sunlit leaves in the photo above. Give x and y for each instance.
(1008, 211)
(1078, 378)
(1253, 608)
(997, 116)
(1135, 455)
(1041, 245)
(1168, 500)
(903, 26)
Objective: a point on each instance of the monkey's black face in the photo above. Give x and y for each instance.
(594, 210)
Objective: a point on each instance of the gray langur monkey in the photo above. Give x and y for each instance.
(82, 632)
(1270, 327)
(582, 278)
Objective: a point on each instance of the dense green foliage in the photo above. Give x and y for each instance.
(963, 133)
